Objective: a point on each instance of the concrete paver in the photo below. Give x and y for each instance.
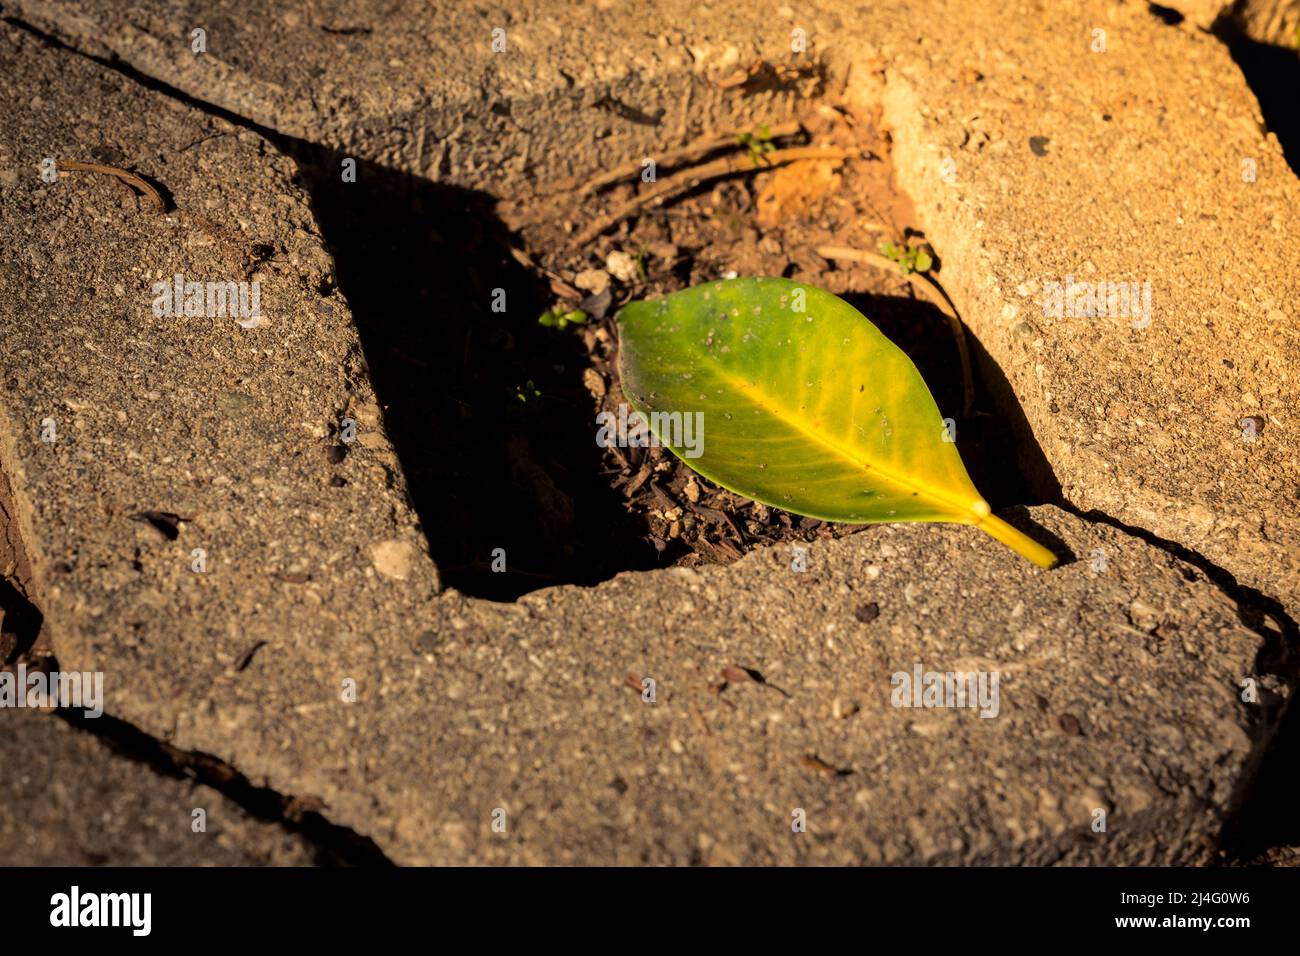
(416, 716)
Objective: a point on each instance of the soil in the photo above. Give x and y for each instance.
(766, 222)
(449, 315)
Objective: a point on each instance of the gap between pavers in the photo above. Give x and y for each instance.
(67, 800)
(464, 707)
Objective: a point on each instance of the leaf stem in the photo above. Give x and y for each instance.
(1017, 541)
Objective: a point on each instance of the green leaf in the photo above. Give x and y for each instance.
(923, 261)
(807, 409)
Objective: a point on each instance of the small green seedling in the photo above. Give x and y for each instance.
(758, 145)
(909, 258)
(527, 392)
(557, 318)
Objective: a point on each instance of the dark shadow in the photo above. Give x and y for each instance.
(1166, 15)
(486, 409)
(21, 623)
(491, 461)
(1265, 817)
(334, 845)
(1273, 74)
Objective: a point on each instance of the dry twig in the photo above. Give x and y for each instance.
(129, 178)
(688, 153)
(690, 178)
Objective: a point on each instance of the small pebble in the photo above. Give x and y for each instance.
(594, 281)
(867, 612)
(393, 559)
(621, 266)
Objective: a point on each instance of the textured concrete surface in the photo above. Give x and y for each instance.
(1276, 22)
(1140, 179)
(306, 543)
(66, 799)
(389, 82)
(1120, 686)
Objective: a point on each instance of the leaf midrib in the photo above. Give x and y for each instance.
(776, 409)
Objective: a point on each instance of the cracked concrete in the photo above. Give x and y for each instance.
(218, 425)
(1122, 677)
(113, 811)
(1143, 176)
